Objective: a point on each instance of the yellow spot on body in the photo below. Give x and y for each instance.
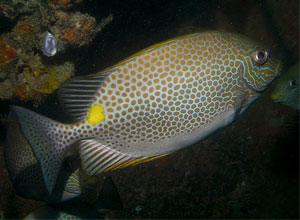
(96, 114)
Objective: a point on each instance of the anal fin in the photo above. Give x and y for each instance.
(73, 183)
(97, 158)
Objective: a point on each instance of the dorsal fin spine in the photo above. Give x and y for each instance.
(79, 93)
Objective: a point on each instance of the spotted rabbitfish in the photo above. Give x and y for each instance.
(108, 199)
(160, 100)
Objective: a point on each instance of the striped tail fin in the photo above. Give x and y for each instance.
(48, 146)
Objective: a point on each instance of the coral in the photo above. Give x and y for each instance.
(69, 35)
(23, 73)
(2, 9)
(30, 79)
(22, 92)
(33, 18)
(46, 84)
(76, 29)
(5, 89)
(6, 52)
(38, 80)
(24, 29)
(25, 35)
(64, 4)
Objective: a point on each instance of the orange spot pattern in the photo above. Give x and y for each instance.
(170, 89)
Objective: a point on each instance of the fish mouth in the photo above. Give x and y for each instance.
(275, 97)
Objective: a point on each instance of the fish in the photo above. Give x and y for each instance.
(49, 44)
(26, 174)
(109, 199)
(48, 212)
(286, 91)
(158, 101)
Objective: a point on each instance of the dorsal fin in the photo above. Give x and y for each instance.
(76, 94)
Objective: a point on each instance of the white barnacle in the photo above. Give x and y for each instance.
(49, 45)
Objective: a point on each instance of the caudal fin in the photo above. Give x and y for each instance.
(48, 146)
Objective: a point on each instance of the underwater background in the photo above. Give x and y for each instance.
(247, 170)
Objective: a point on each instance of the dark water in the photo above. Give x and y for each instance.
(248, 170)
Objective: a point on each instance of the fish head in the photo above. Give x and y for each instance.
(286, 90)
(260, 67)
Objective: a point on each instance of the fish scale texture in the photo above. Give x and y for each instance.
(172, 88)
(19, 155)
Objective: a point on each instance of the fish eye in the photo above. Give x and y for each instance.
(260, 56)
(293, 83)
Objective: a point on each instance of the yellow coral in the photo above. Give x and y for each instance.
(53, 81)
